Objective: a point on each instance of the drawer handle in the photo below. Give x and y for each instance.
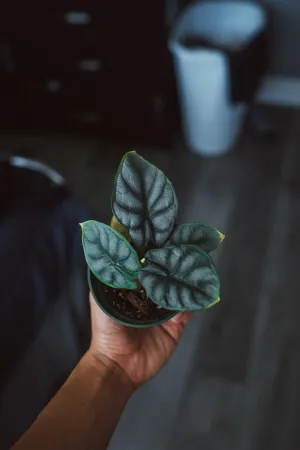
(85, 117)
(53, 85)
(78, 17)
(89, 65)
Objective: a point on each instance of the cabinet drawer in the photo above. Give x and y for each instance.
(58, 61)
(35, 23)
(88, 90)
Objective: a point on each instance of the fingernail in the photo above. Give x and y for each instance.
(178, 318)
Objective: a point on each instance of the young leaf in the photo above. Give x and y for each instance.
(144, 202)
(180, 278)
(196, 233)
(115, 224)
(109, 256)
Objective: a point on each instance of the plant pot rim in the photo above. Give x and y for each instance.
(118, 317)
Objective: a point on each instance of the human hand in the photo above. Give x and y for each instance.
(140, 353)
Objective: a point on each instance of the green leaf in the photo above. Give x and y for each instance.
(109, 256)
(144, 202)
(196, 233)
(180, 278)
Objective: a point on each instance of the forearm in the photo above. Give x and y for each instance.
(84, 413)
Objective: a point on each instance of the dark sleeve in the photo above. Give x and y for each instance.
(40, 247)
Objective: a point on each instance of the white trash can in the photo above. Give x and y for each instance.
(211, 120)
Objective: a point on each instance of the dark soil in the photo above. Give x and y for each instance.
(134, 304)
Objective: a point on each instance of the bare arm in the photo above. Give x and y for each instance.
(86, 410)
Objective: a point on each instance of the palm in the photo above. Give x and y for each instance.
(139, 352)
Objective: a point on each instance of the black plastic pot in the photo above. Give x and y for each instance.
(97, 289)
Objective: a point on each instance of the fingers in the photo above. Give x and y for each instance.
(93, 304)
(91, 298)
(182, 317)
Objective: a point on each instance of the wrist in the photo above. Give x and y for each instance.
(110, 371)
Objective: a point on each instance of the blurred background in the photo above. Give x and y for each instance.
(210, 93)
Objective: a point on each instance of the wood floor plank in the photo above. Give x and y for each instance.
(229, 328)
(272, 390)
(217, 392)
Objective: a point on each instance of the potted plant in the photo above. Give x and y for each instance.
(144, 268)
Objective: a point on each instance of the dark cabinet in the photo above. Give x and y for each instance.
(87, 65)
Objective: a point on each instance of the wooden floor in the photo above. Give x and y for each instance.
(233, 382)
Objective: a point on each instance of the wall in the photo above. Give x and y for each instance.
(285, 37)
